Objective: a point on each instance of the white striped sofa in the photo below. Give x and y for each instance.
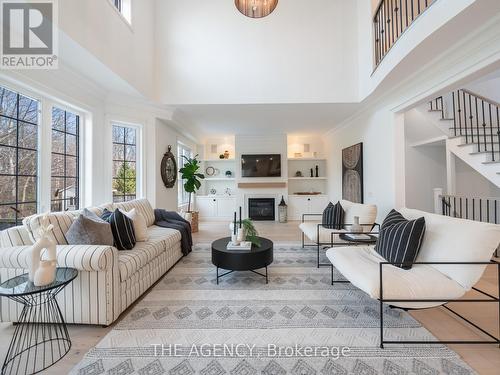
(108, 280)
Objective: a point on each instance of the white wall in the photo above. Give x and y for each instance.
(489, 88)
(126, 49)
(376, 130)
(425, 171)
(304, 52)
(166, 135)
(472, 184)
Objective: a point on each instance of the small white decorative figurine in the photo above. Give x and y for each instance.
(43, 272)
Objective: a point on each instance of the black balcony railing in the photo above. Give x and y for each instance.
(391, 19)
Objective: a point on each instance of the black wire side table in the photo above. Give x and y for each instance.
(41, 337)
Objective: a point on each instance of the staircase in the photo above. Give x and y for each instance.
(472, 124)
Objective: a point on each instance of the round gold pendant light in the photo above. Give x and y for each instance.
(256, 8)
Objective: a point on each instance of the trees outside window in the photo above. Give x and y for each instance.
(124, 163)
(65, 191)
(18, 157)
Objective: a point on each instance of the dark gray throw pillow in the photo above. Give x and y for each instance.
(400, 239)
(89, 229)
(333, 216)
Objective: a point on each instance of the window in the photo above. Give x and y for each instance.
(124, 163)
(125, 8)
(183, 150)
(65, 167)
(118, 4)
(18, 157)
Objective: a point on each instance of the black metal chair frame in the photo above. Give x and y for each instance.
(489, 299)
(332, 243)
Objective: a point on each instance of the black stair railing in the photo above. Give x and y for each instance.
(391, 19)
(475, 118)
(471, 208)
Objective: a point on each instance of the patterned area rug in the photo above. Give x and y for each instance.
(297, 324)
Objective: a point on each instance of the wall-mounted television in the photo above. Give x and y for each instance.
(268, 165)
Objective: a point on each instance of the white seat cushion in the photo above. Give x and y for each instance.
(360, 265)
(310, 229)
(449, 239)
(159, 240)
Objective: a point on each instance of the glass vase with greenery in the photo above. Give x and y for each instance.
(251, 233)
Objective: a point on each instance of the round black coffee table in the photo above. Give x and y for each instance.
(240, 260)
(40, 337)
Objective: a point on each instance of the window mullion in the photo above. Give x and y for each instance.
(45, 156)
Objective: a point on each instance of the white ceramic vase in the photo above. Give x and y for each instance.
(356, 227)
(43, 272)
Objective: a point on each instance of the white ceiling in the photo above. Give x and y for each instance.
(264, 118)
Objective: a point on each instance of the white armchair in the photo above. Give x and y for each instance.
(452, 259)
(318, 236)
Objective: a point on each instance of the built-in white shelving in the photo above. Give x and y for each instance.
(217, 160)
(219, 178)
(307, 178)
(306, 183)
(306, 159)
(219, 183)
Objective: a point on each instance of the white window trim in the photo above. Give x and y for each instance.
(44, 170)
(82, 139)
(140, 188)
(180, 185)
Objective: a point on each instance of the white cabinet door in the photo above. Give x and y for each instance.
(297, 205)
(226, 207)
(207, 207)
(317, 204)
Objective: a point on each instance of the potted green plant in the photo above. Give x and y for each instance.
(192, 183)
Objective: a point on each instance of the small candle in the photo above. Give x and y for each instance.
(240, 216)
(234, 226)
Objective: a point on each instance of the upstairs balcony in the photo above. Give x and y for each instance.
(392, 18)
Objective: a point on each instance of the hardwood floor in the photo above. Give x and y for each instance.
(485, 359)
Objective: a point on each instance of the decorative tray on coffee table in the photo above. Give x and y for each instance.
(244, 245)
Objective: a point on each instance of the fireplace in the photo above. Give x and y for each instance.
(261, 209)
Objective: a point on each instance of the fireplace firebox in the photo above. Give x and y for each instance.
(261, 209)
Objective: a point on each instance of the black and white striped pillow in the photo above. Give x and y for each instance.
(333, 216)
(400, 239)
(122, 228)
